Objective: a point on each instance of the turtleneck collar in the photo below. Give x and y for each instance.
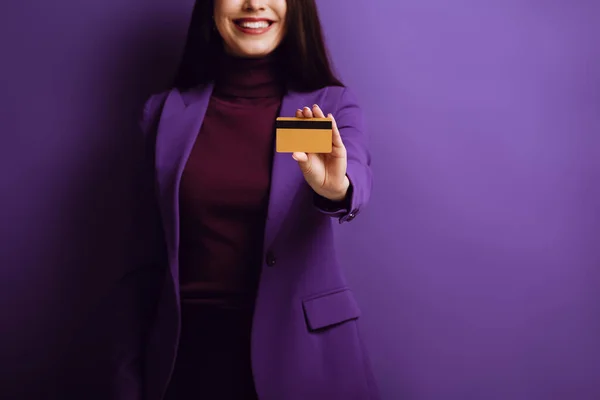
(248, 77)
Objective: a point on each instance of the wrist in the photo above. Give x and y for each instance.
(342, 193)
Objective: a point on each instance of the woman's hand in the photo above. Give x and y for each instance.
(325, 173)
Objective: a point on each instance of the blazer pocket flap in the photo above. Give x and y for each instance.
(330, 309)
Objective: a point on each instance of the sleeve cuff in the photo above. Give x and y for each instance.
(329, 206)
(344, 210)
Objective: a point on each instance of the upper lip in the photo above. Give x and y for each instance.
(251, 19)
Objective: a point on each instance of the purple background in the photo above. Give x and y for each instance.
(477, 263)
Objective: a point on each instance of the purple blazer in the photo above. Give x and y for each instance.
(305, 339)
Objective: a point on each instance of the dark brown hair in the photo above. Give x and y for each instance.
(302, 54)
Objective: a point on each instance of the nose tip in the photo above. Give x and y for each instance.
(254, 5)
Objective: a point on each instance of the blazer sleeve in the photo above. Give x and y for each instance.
(350, 122)
(148, 123)
(150, 239)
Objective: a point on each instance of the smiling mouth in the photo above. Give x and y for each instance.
(253, 25)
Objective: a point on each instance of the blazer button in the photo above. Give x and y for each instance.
(352, 215)
(270, 259)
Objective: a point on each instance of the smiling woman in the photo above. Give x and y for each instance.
(255, 303)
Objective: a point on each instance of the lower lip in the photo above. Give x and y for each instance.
(250, 31)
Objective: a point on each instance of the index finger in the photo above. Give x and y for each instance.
(317, 112)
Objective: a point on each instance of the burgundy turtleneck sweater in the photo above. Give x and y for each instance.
(225, 186)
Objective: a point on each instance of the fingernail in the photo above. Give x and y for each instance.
(315, 106)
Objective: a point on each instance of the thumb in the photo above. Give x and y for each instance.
(303, 161)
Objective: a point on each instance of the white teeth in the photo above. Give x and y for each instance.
(254, 25)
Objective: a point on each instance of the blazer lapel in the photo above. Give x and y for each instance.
(286, 177)
(177, 131)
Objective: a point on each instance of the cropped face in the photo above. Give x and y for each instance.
(250, 28)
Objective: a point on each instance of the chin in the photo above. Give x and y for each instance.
(254, 52)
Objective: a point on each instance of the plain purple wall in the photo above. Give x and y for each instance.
(476, 264)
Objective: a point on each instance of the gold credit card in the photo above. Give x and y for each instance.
(306, 135)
